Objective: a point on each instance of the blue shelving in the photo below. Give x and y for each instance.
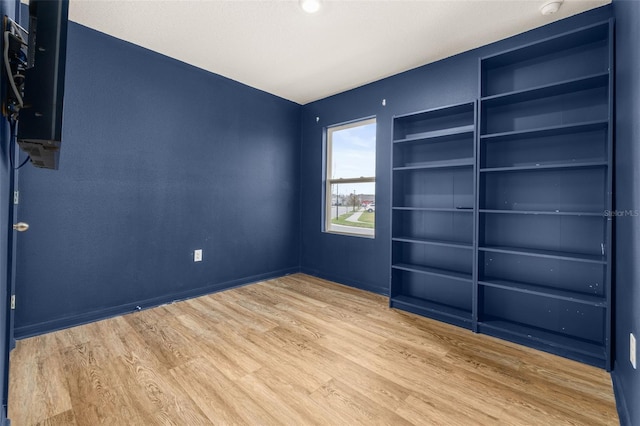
(443, 164)
(545, 291)
(547, 90)
(435, 209)
(521, 251)
(544, 184)
(563, 129)
(441, 135)
(499, 206)
(443, 243)
(433, 271)
(432, 216)
(558, 166)
(581, 350)
(550, 213)
(580, 53)
(439, 311)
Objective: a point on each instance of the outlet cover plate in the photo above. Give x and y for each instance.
(632, 350)
(197, 255)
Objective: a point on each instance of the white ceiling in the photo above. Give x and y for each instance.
(274, 46)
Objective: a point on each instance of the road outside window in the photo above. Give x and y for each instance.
(351, 179)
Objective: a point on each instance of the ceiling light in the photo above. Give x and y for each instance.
(550, 7)
(310, 6)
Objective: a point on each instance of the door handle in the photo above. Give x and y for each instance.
(20, 226)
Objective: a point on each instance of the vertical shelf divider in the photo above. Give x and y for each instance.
(476, 154)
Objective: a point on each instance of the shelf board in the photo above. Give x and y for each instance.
(546, 253)
(436, 209)
(545, 291)
(437, 134)
(536, 212)
(454, 275)
(548, 90)
(559, 166)
(443, 243)
(563, 129)
(402, 301)
(445, 164)
(441, 111)
(544, 337)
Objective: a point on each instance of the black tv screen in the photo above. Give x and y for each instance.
(40, 119)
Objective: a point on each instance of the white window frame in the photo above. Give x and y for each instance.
(329, 181)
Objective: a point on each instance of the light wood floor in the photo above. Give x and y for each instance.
(297, 351)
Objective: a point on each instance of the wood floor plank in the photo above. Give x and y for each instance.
(237, 310)
(296, 350)
(220, 398)
(230, 310)
(171, 347)
(374, 386)
(95, 391)
(72, 336)
(281, 315)
(155, 394)
(66, 418)
(284, 351)
(213, 348)
(271, 401)
(554, 392)
(295, 396)
(46, 387)
(149, 389)
(439, 411)
(482, 390)
(112, 333)
(353, 406)
(203, 312)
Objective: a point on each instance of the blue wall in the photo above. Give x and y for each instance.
(158, 158)
(362, 262)
(627, 303)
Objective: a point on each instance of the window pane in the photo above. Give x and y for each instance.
(353, 152)
(353, 209)
(350, 178)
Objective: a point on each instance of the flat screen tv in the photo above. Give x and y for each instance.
(40, 119)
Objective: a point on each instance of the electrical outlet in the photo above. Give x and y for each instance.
(632, 350)
(197, 255)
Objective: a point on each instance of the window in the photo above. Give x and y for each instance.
(350, 200)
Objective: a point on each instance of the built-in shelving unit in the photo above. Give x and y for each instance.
(501, 226)
(544, 184)
(433, 213)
